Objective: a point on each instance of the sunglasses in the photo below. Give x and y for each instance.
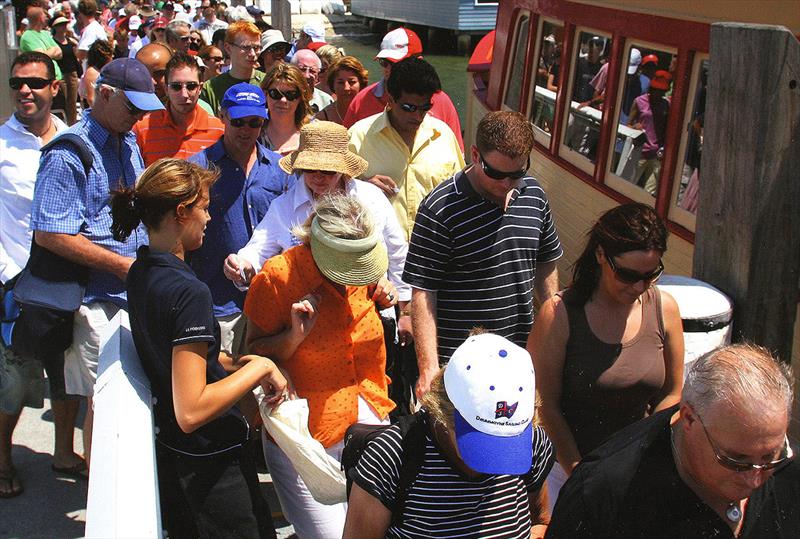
(629, 276)
(323, 172)
(497, 174)
(384, 62)
(252, 123)
(178, 86)
(133, 110)
(277, 49)
(185, 38)
(34, 83)
(740, 466)
(214, 59)
(408, 107)
(276, 94)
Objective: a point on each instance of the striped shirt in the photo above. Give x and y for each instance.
(443, 503)
(480, 260)
(158, 136)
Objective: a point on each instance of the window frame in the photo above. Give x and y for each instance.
(519, 16)
(540, 136)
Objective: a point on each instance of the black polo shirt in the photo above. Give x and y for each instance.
(480, 260)
(169, 306)
(629, 488)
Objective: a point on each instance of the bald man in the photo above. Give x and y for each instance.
(155, 56)
(309, 63)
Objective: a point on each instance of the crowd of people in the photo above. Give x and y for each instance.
(256, 231)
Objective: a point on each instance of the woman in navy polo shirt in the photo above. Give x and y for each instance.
(207, 477)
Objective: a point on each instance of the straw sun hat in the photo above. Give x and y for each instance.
(324, 146)
(349, 262)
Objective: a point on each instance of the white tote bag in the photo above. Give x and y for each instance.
(322, 474)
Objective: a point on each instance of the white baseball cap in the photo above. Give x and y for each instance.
(491, 383)
(134, 22)
(399, 44)
(634, 61)
(315, 30)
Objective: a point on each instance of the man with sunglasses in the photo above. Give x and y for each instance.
(71, 215)
(250, 179)
(484, 240)
(184, 127)
(719, 464)
(178, 35)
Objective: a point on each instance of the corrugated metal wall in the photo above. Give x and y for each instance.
(451, 14)
(472, 17)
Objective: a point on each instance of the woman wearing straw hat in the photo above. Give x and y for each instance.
(326, 165)
(312, 310)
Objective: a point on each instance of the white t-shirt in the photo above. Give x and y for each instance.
(90, 34)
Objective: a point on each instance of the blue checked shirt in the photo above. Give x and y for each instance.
(238, 204)
(67, 201)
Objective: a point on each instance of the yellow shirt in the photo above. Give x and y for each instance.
(436, 156)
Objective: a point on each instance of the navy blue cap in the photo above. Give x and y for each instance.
(243, 100)
(132, 77)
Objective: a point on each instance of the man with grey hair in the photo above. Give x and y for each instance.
(719, 464)
(309, 63)
(177, 35)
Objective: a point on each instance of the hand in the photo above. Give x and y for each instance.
(124, 265)
(304, 315)
(405, 331)
(424, 381)
(273, 383)
(236, 266)
(384, 293)
(385, 184)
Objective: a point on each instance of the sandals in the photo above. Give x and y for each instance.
(10, 486)
(78, 470)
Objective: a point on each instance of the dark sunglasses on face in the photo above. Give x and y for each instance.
(276, 94)
(178, 86)
(496, 174)
(133, 110)
(185, 38)
(384, 62)
(34, 83)
(629, 276)
(408, 107)
(277, 49)
(214, 59)
(252, 123)
(323, 172)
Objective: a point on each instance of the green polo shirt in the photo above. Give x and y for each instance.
(214, 89)
(39, 40)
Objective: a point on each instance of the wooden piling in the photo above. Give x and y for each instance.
(282, 17)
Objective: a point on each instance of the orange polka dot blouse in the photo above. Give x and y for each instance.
(343, 356)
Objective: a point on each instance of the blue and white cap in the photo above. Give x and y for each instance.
(244, 99)
(131, 76)
(491, 383)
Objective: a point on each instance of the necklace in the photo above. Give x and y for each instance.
(733, 511)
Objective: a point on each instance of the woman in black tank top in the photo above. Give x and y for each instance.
(608, 351)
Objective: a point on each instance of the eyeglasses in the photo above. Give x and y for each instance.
(408, 107)
(34, 83)
(276, 94)
(632, 277)
(384, 62)
(214, 59)
(322, 172)
(248, 48)
(178, 86)
(133, 110)
(740, 466)
(252, 123)
(277, 49)
(309, 69)
(497, 174)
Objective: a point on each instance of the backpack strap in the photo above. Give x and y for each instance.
(84, 153)
(412, 431)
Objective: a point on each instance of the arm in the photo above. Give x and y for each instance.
(367, 517)
(197, 403)
(634, 116)
(82, 251)
(423, 319)
(551, 82)
(547, 344)
(81, 54)
(673, 354)
(540, 516)
(546, 283)
(283, 345)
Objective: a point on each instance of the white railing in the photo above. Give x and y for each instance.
(123, 486)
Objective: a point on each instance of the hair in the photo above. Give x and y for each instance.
(198, 34)
(308, 53)
(172, 29)
(438, 405)
(339, 215)
(507, 132)
(413, 76)
(35, 57)
(241, 27)
(219, 35)
(131, 9)
(350, 63)
(87, 8)
(329, 54)
(290, 74)
(743, 376)
(179, 60)
(206, 51)
(100, 53)
(159, 190)
(35, 12)
(629, 227)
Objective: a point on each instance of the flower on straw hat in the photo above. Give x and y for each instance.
(324, 146)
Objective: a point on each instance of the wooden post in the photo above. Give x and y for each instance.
(748, 218)
(282, 17)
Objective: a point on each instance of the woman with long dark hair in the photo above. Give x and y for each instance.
(608, 350)
(207, 477)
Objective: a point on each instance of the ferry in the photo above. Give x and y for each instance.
(538, 61)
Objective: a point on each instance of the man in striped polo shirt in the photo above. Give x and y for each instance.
(482, 241)
(184, 128)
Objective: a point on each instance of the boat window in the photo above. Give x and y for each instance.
(551, 42)
(689, 186)
(642, 119)
(516, 73)
(589, 76)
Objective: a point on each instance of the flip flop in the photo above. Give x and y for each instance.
(8, 479)
(79, 470)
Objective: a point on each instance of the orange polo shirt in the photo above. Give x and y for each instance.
(158, 136)
(343, 356)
